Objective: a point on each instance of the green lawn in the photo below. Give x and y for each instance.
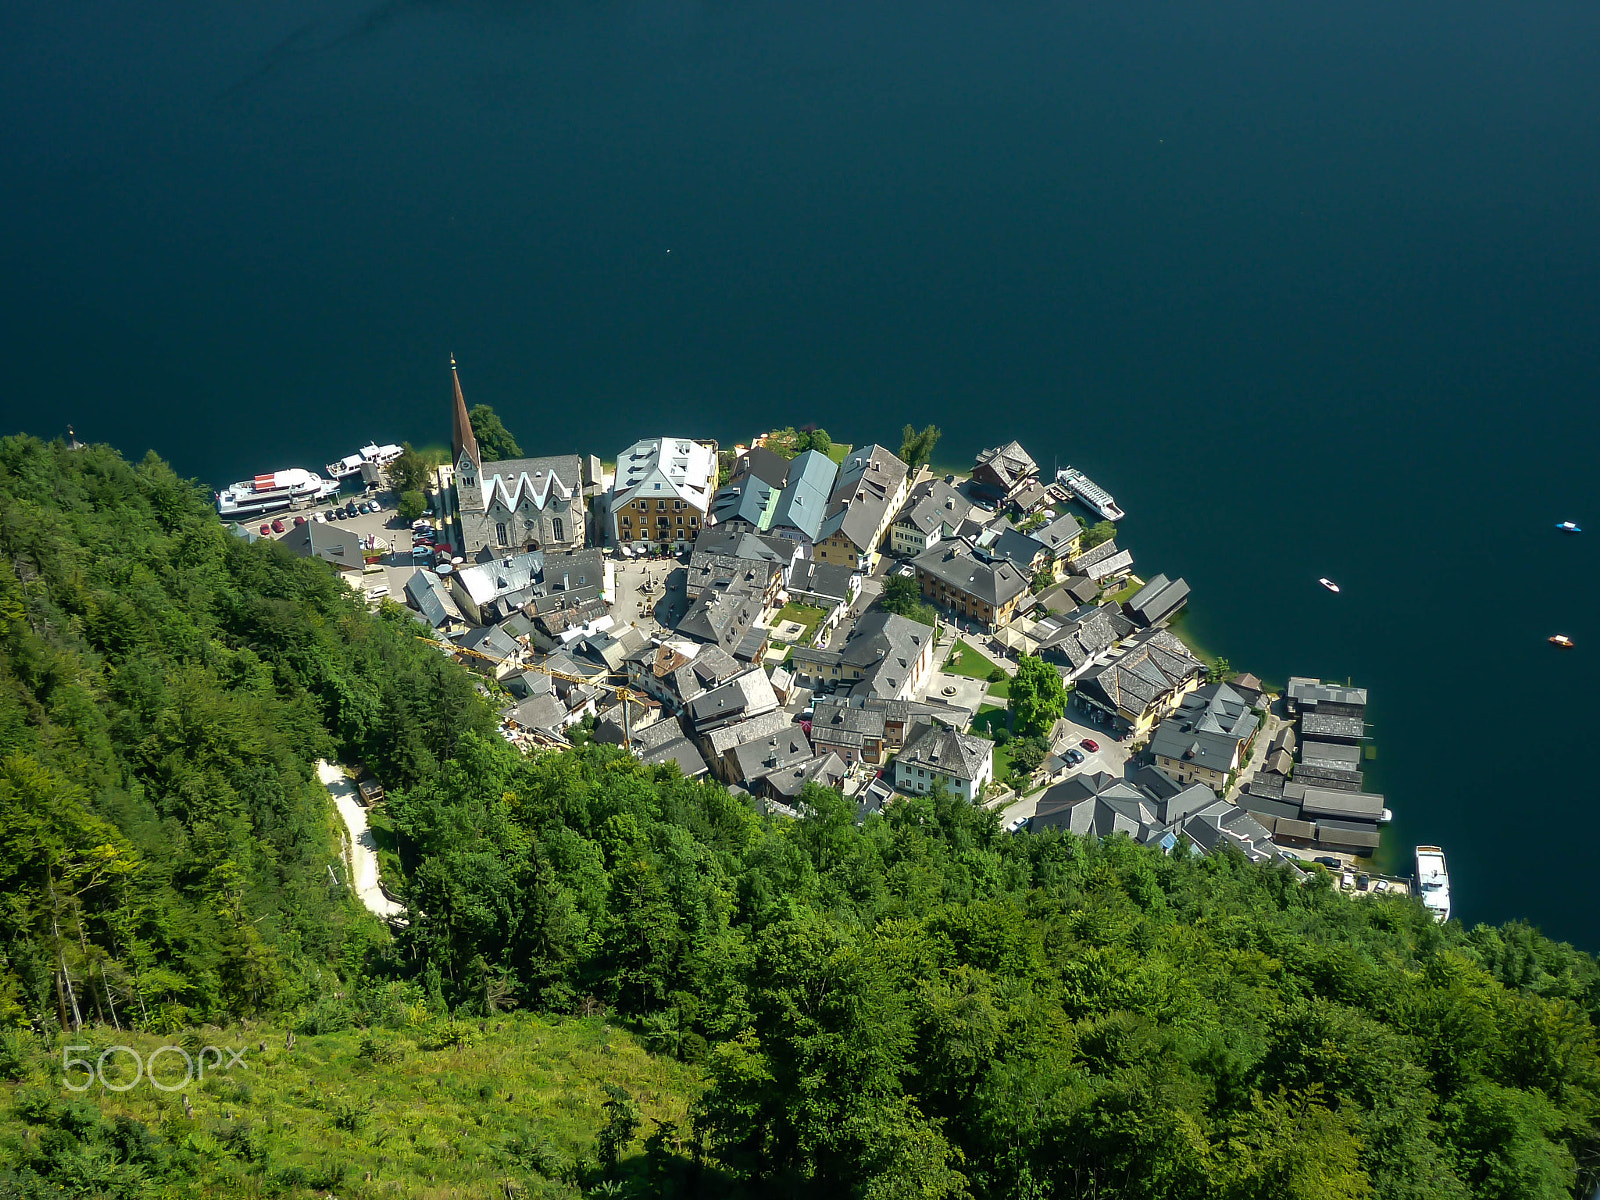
(964, 660)
(839, 450)
(989, 718)
(1001, 690)
(808, 615)
(1129, 590)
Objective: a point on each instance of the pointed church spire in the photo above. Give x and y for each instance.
(462, 437)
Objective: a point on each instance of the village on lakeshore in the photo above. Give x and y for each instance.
(798, 611)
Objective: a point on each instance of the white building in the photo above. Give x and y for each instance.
(663, 491)
(934, 754)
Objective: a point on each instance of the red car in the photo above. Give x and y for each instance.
(265, 530)
(299, 521)
(1090, 745)
(277, 525)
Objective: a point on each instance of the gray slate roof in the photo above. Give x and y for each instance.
(743, 696)
(899, 639)
(760, 463)
(428, 595)
(1332, 726)
(679, 750)
(958, 755)
(1152, 664)
(723, 739)
(1158, 599)
(331, 543)
(933, 504)
(722, 618)
(762, 756)
(956, 564)
(1310, 693)
(1010, 463)
(1330, 754)
(1058, 534)
(831, 580)
(789, 782)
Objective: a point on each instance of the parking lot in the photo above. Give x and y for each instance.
(1110, 757)
(396, 564)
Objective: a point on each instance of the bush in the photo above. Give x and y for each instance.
(997, 676)
(381, 1050)
(15, 1056)
(412, 505)
(327, 1015)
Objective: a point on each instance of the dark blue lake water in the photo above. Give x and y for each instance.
(1313, 289)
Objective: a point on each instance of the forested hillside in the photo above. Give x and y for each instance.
(919, 1006)
(164, 689)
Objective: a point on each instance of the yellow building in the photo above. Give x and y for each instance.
(663, 491)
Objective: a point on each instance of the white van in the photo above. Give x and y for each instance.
(378, 593)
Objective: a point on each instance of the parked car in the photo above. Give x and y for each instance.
(265, 530)
(1090, 745)
(1074, 757)
(350, 509)
(319, 518)
(299, 521)
(378, 593)
(1015, 824)
(1327, 860)
(1361, 882)
(332, 514)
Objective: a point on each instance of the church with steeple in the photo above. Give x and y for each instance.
(510, 505)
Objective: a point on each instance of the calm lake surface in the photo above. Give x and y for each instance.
(1313, 289)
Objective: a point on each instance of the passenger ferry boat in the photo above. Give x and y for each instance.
(1433, 881)
(350, 464)
(273, 493)
(1090, 492)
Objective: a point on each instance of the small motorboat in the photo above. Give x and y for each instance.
(1568, 527)
(1563, 641)
(1329, 584)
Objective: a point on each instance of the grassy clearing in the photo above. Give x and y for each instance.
(1128, 591)
(437, 1110)
(1001, 690)
(807, 614)
(964, 660)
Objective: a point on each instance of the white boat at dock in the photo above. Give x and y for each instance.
(1090, 492)
(1433, 881)
(273, 493)
(351, 464)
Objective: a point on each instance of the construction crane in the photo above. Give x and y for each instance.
(624, 695)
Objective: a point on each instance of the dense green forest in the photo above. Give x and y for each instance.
(917, 1006)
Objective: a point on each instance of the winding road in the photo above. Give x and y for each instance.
(362, 857)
